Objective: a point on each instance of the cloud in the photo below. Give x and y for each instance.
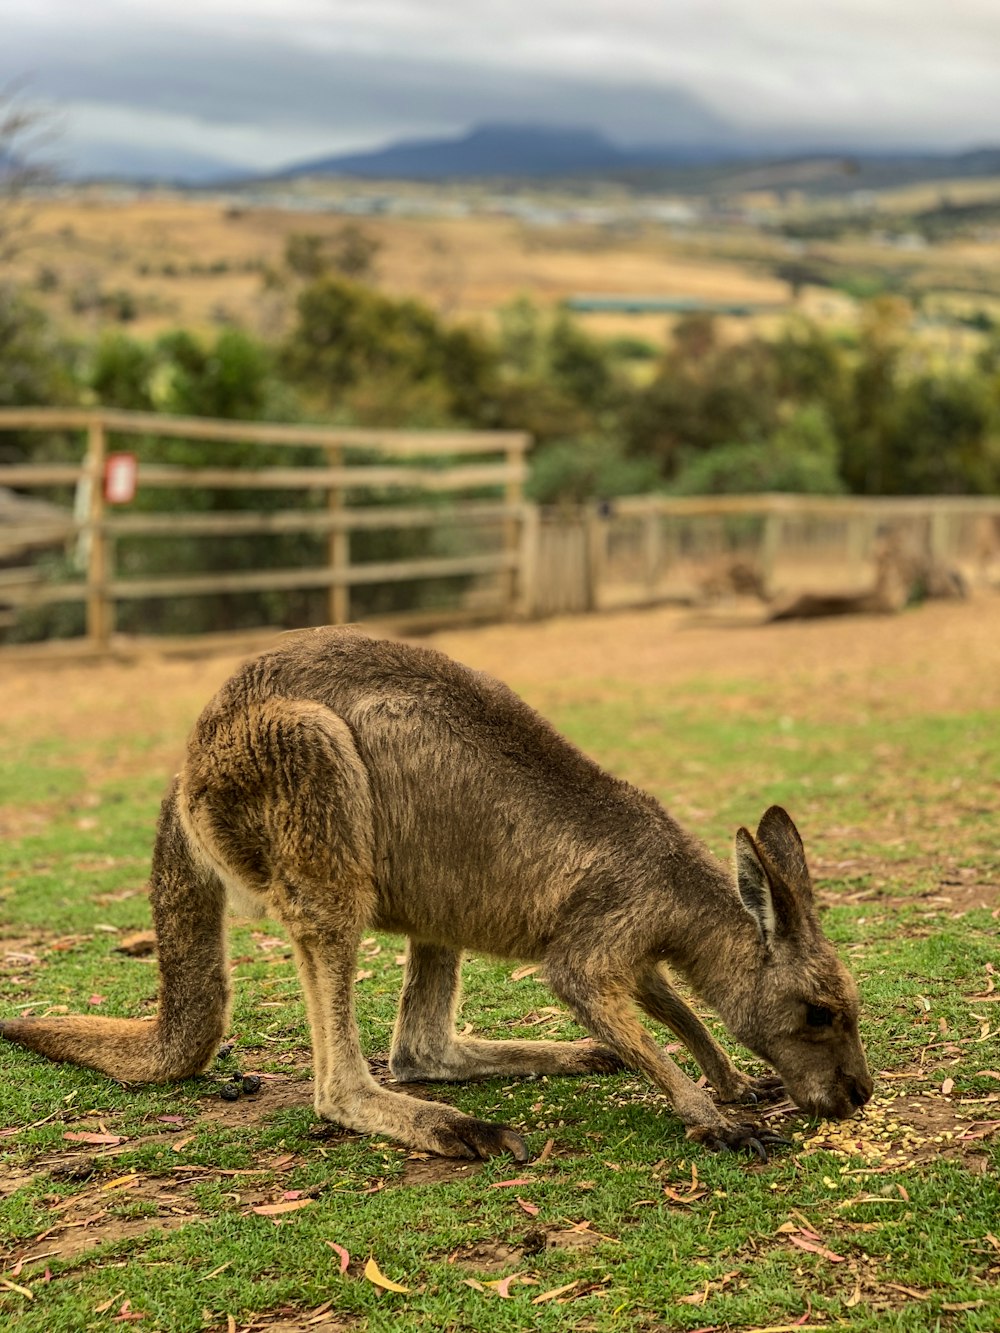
(264, 81)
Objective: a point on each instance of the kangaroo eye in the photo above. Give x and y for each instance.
(818, 1016)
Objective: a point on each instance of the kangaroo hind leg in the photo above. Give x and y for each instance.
(287, 809)
(345, 1089)
(188, 902)
(425, 1045)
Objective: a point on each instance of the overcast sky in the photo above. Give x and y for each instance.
(264, 82)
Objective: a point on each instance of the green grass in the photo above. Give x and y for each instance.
(883, 803)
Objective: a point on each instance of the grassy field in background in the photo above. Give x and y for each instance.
(187, 262)
(888, 1222)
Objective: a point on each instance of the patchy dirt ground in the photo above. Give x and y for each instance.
(129, 717)
(941, 657)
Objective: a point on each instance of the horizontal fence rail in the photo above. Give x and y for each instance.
(651, 548)
(466, 489)
(360, 496)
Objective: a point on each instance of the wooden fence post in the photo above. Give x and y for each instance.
(653, 545)
(770, 546)
(338, 550)
(513, 544)
(596, 530)
(528, 581)
(100, 610)
(858, 544)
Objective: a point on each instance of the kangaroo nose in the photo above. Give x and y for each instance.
(861, 1091)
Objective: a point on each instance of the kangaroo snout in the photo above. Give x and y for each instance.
(847, 1096)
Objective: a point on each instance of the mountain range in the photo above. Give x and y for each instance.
(506, 151)
(540, 152)
(706, 162)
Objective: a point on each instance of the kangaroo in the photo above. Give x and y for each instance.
(344, 784)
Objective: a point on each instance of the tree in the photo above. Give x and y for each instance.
(350, 251)
(379, 358)
(23, 130)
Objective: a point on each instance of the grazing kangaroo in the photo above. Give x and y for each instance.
(345, 784)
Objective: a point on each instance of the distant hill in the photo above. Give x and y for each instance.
(501, 151)
(722, 164)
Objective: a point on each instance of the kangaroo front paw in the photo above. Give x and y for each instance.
(750, 1091)
(732, 1136)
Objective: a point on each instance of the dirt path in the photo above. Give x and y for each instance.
(942, 657)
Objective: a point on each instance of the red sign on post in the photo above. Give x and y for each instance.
(120, 476)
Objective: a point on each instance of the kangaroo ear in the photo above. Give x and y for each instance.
(779, 840)
(754, 885)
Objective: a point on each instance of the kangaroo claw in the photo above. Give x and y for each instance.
(480, 1138)
(768, 1088)
(738, 1137)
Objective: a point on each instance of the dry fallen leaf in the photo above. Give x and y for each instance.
(289, 1206)
(82, 1136)
(139, 945)
(13, 1286)
(126, 1314)
(345, 1258)
(506, 1184)
(908, 1291)
(374, 1274)
(121, 1182)
(821, 1250)
(520, 973)
(530, 1208)
(698, 1298)
(556, 1291)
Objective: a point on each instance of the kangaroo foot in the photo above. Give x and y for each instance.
(428, 1126)
(465, 1136)
(732, 1136)
(464, 1059)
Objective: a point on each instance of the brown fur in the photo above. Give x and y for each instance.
(347, 784)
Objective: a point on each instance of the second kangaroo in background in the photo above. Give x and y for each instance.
(345, 784)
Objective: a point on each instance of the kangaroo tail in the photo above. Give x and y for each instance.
(188, 901)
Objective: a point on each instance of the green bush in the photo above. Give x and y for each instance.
(801, 456)
(589, 469)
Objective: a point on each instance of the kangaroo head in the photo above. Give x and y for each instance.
(797, 1007)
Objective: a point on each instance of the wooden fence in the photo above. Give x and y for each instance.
(489, 465)
(645, 549)
(515, 558)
